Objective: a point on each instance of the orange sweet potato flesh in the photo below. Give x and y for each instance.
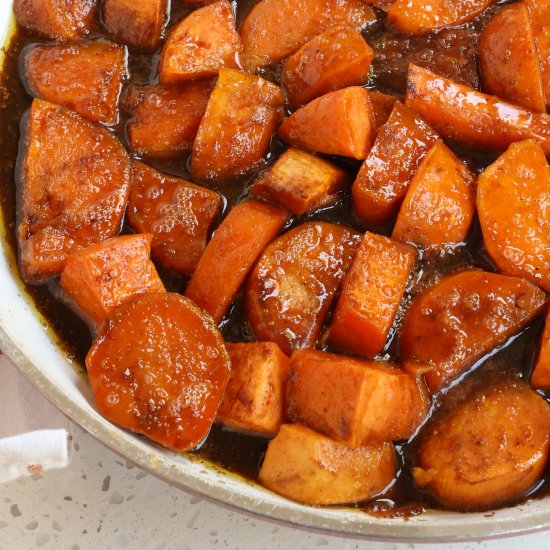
(337, 123)
(265, 43)
(101, 277)
(290, 290)
(462, 318)
(384, 177)
(178, 213)
(335, 59)
(539, 12)
(164, 120)
(462, 114)
(83, 76)
(371, 293)
(231, 253)
(75, 181)
(382, 105)
(235, 134)
(159, 367)
(352, 400)
(487, 452)
(440, 203)
(200, 45)
(540, 378)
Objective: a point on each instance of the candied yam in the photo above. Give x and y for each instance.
(371, 293)
(83, 76)
(540, 378)
(235, 134)
(308, 467)
(200, 45)
(290, 290)
(384, 177)
(178, 213)
(539, 12)
(75, 180)
(159, 367)
(254, 400)
(440, 203)
(231, 253)
(301, 182)
(382, 106)
(337, 123)
(462, 318)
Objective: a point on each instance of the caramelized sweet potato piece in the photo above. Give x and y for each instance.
(159, 367)
(337, 123)
(231, 253)
(103, 276)
(178, 213)
(540, 378)
(487, 452)
(539, 12)
(479, 120)
(371, 293)
(254, 400)
(75, 180)
(300, 181)
(202, 44)
(513, 195)
(83, 76)
(295, 280)
(308, 467)
(352, 400)
(235, 134)
(440, 203)
(384, 177)
(382, 107)
(462, 318)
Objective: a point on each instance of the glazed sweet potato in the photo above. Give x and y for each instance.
(75, 181)
(101, 277)
(382, 107)
(539, 12)
(540, 378)
(159, 367)
(178, 213)
(290, 290)
(200, 45)
(235, 134)
(513, 195)
(301, 182)
(84, 76)
(337, 123)
(440, 203)
(254, 400)
(384, 177)
(462, 318)
(487, 452)
(308, 467)
(231, 253)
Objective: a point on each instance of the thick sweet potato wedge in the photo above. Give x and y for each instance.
(540, 378)
(539, 12)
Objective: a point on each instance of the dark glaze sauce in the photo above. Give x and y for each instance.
(450, 52)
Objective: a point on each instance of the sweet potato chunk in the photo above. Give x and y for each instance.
(300, 181)
(335, 59)
(276, 28)
(202, 44)
(159, 367)
(382, 107)
(513, 195)
(178, 213)
(384, 177)
(487, 452)
(337, 123)
(254, 400)
(294, 282)
(539, 12)
(440, 203)
(83, 76)
(465, 115)
(462, 318)
(231, 253)
(75, 183)
(540, 379)
(371, 293)
(308, 467)
(235, 134)
(354, 401)
(103, 276)
(164, 120)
